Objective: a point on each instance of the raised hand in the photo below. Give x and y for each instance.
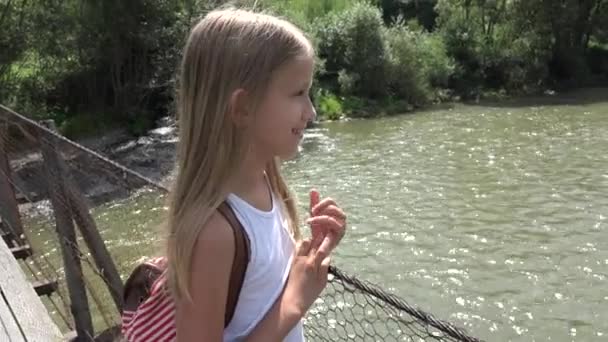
(327, 221)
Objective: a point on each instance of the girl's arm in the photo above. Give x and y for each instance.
(307, 279)
(277, 323)
(202, 318)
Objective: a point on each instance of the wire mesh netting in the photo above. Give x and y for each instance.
(355, 310)
(77, 202)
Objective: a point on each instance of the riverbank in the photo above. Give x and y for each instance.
(410, 53)
(547, 97)
(153, 154)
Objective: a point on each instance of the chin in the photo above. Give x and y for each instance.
(290, 155)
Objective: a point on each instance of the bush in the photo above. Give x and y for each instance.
(462, 42)
(405, 69)
(406, 72)
(353, 43)
(597, 59)
(506, 57)
(107, 63)
(329, 105)
(347, 81)
(438, 66)
(418, 62)
(82, 125)
(364, 58)
(301, 12)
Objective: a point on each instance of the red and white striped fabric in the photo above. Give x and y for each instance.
(154, 319)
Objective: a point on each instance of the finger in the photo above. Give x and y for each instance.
(327, 245)
(329, 227)
(314, 199)
(321, 253)
(332, 210)
(303, 247)
(315, 243)
(324, 269)
(326, 222)
(320, 206)
(326, 262)
(317, 234)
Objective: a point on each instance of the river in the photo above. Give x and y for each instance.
(494, 217)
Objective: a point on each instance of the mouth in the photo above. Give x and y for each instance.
(298, 131)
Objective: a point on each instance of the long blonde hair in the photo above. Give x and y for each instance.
(227, 50)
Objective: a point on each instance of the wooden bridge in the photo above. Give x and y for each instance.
(23, 316)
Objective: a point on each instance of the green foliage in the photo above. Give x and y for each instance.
(329, 105)
(463, 40)
(418, 62)
(491, 52)
(82, 125)
(519, 46)
(406, 72)
(348, 81)
(438, 65)
(131, 55)
(353, 43)
(14, 38)
(119, 57)
(113, 57)
(572, 25)
(25, 25)
(365, 58)
(303, 12)
(597, 58)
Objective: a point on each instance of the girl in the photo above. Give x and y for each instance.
(243, 105)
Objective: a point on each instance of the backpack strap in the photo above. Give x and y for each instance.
(139, 284)
(241, 259)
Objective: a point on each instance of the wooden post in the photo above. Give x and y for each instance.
(9, 209)
(67, 236)
(90, 233)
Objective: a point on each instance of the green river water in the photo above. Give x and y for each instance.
(492, 217)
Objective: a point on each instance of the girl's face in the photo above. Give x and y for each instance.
(285, 110)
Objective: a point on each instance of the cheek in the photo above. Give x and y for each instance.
(278, 115)
(294, 108)
(268, 123)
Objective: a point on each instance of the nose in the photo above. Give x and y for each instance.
(310, 113)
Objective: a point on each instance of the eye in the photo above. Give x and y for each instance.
(301, 93)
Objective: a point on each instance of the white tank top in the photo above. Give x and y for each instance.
(271, 248)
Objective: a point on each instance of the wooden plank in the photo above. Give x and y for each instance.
(45, 288)
(70, 336)
(64, 226)
(7, 237)
(9, 329)
(22, 252)
(22, 303)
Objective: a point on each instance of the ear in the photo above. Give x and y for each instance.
(239, 108)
